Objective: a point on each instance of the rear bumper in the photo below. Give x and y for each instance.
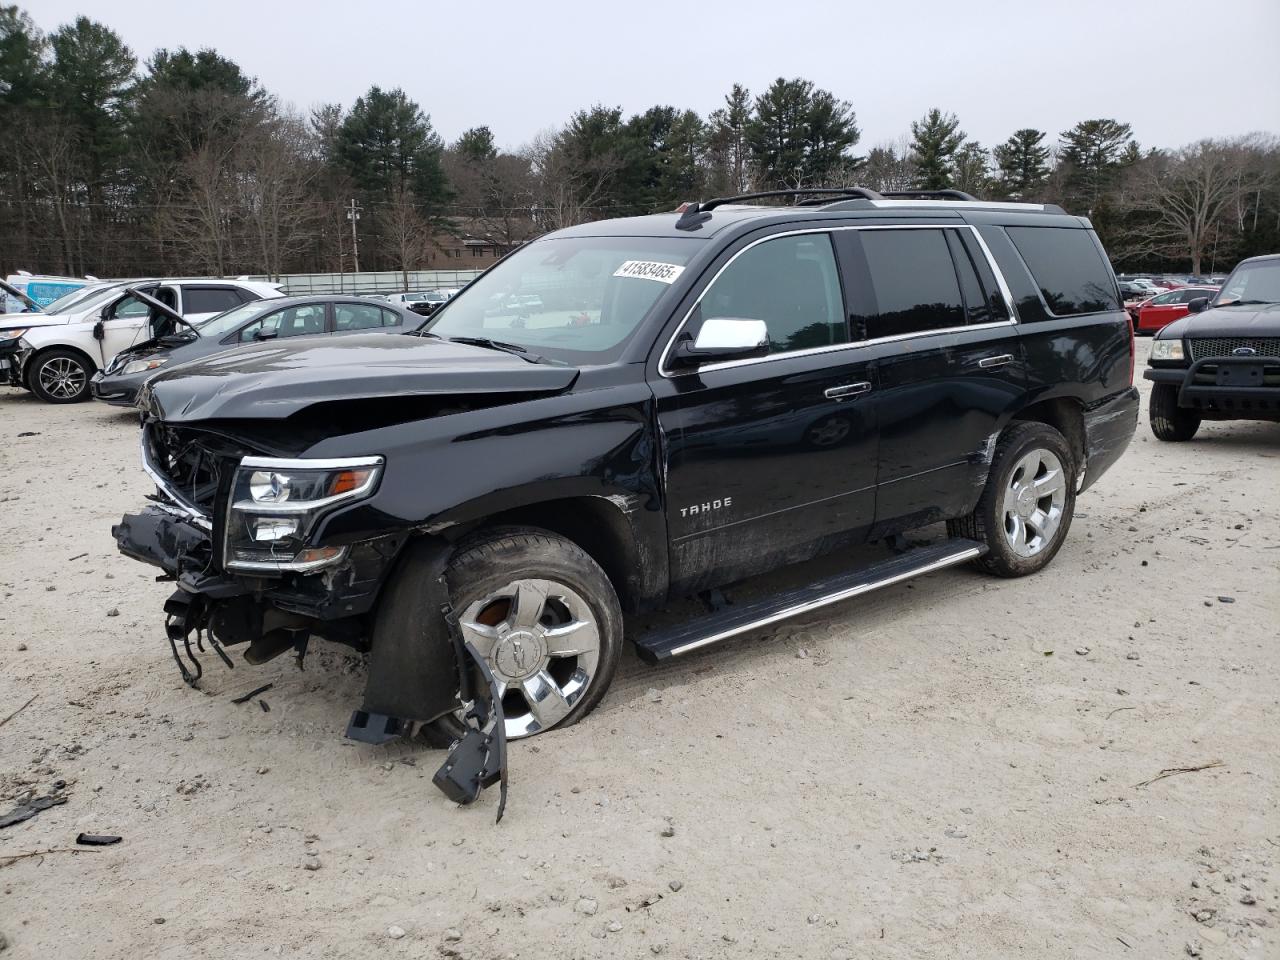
(1108, 428)
(1220, 388)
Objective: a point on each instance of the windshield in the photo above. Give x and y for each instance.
(577, 299)
(84, 298)
(1252, 283)
(224, 323)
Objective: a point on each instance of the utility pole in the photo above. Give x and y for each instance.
(353, 214)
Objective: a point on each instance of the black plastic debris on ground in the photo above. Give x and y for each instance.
(246, 697)
(97, 839)
(29, 808)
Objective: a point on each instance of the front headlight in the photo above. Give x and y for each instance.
(1170, 349)
(141, 366)
(276, 503)
(7, 336)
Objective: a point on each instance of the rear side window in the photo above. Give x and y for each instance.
(790, 283)
(1067, 267)
(915, 283)
(359, 316)
(209, 299)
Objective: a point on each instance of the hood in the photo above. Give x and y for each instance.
(273, 380)
(1257, 320)
(9, 321)
(176, 349)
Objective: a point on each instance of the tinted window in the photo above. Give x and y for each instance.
(975, 301)
(987, 278)
(1067, 267)
(357, 316)
(1165, 298)
(209, 299)
(915, 282)
(791, 284)
(292, 322)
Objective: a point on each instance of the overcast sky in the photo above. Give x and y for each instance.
(1176, 70)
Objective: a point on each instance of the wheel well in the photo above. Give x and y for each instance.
(594, 524)
(31, 362)
(1064, 415)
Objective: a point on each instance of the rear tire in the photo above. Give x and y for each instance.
(556, 657)
(1026, 507)
(1169, 421)
(60, 376)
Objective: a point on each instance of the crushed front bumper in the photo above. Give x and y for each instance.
(414, 673)
(13, 359)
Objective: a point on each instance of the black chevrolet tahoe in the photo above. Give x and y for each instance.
(1222, 360)
(631, 411)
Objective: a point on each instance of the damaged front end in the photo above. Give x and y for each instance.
(240, 535)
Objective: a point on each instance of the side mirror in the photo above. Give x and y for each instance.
(99, 332)
(1198, 305)
(723, 338)
(266, 335)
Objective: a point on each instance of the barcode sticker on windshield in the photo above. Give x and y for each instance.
(650, 270)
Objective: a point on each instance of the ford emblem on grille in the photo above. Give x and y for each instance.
(1244, 352)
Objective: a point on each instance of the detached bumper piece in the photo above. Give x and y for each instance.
(479, 759)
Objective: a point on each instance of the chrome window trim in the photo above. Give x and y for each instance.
(1005, 292)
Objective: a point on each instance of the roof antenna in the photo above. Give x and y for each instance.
(692, 217)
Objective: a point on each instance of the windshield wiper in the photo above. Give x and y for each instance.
(513, 348)
(1245, 303)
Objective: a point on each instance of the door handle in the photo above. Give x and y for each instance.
(848, 390)
(988, 362)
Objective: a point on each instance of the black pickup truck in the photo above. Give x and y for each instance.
(1222, 360)
(630, 411)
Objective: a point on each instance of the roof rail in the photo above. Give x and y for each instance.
(929, 195)
(694, 213)
(862, 192)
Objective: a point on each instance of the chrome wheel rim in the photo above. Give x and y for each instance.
(62, 377)
(1034, 501)
(541, 640)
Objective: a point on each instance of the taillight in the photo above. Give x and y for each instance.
(1133, 348)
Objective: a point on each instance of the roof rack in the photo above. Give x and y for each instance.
(929, 195)
(693, 214)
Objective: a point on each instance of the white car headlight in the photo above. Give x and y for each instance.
(274, 506)
(7, 335)
(141, 366)
(1170, 349)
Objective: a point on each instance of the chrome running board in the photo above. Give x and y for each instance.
(703, 631)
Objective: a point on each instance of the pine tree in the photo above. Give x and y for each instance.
(1023, 161)
(935, 139)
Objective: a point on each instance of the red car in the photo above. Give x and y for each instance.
(1167, 307)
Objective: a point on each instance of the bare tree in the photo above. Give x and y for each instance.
(406, 232)
(570, 189)
(1187, 195)
(281, 171)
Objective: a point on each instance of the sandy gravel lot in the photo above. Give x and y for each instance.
(943, 769)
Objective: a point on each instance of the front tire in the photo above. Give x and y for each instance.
(1169, 421)
(1027, 504)
(60, 376)
(547, 620)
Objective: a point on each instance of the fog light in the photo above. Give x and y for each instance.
(274, 528)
